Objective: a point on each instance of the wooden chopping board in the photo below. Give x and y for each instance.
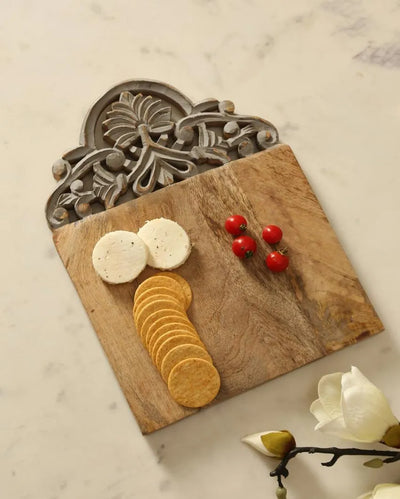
(255, 324)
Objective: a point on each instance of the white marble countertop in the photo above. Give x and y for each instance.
(327, 74)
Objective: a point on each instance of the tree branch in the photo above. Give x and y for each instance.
(282, 471)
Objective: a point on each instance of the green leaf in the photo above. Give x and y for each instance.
(374, 463)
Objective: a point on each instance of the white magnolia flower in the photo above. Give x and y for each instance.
(351, 407)
(383, 491)
(271, 443)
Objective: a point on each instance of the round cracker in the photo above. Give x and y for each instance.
(158, 314)
(194, 382)
(155, 332)
(171, 340)
(166, 332)
(149, 328)
(152, 305)
(147, 301)
(159, 281)
(157, 291)
(185, 286)
(179, 353)
(153, 298)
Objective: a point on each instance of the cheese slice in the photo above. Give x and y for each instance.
(168, 244)
(119, 256)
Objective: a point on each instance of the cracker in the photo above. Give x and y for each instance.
(147, 301)
(153, 298)
(152, 305)
(170, 333)
(159, 314)
(157, 291)
(170, 340)
(149, 328)
(175, 318)
(159, 281)
(179, 353)
(165, 328)
(187, 291)
(194, 382)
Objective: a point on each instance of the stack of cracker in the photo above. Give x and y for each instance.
(172, 341)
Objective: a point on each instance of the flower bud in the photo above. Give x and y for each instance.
(281, 493)
(279, 443)
(392, 437)
(271, 443)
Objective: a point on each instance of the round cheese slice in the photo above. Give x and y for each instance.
(119, 256)
(167, 242)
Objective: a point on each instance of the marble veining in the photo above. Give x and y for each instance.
(387, 55)
(325, 72)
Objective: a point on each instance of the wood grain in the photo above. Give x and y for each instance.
(256, 325)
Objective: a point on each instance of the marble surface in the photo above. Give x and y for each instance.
(327, 74)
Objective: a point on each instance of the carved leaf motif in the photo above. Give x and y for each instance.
(67, 200)
(160, 164)
(210, 155)
(165, 178)
(210, 148)
(108, 187)
(204, 136)
(133, 110)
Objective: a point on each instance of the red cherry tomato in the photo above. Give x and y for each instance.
(244, 246)
(277, 261)
(235, 225)
(272, 234)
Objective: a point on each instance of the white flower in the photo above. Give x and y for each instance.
(271, 443)
(351, 407)
(383, 491)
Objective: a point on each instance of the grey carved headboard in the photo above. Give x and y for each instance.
(143, 135)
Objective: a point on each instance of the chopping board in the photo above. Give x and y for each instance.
(255, 324)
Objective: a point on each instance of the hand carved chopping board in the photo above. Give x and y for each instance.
(255, 324)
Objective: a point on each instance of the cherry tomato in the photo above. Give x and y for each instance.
(272, 234)
(277, 261)
(244, 246)
(235, 225)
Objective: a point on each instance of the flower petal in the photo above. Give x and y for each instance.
(126, 97)
(337, 428)
(116, 131)
(329, 392)
(386, 491)
(318, 411)
(126, 139)
(367, 495)
(162, 127)
(366, 412)
(255, 441)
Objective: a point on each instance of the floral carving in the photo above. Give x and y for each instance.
(145, 135)
(130, 112)
(107, 186)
